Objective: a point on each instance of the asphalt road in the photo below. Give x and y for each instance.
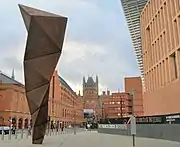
(90, 139)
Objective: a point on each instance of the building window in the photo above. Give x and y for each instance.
(1, 96)
(173, 66)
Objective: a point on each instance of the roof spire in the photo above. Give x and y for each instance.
(13, 75)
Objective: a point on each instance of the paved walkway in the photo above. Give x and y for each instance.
(90, 139)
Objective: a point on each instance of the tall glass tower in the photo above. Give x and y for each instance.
(132, 11)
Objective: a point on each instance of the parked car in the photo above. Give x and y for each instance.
(5, 130)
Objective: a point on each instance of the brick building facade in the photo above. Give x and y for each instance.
(116, 105)
(133, 85)
(64, 105)
(90, 95)
(160, 31)
(121, 104)
(13, 103)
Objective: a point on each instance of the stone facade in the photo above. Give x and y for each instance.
(90, 94)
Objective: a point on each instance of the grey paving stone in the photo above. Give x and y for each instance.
(90, 139)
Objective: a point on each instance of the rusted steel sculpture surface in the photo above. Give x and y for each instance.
(43, 49)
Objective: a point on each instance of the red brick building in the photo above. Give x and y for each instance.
(116, 105)
(120, 104)
(90, 95)
(64, 105)
(13, 103)
(160, 33)
(133, 85)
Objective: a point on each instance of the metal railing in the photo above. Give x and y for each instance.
(25, 134)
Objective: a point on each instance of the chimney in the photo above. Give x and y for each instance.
(104, 93)
(79, 94)
(108, 92)
(13, 76)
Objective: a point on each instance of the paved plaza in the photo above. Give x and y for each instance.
(90, 139)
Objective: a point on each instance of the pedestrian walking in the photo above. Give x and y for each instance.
(57, 128)
(89, 127)
(62, 129)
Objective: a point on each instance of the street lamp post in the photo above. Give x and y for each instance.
(121, 106)
(132, 99)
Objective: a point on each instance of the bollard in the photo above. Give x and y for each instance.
(22, 133)
(9, 135)
(27, 134)
(47, 132)
(54, 132)
(50, 132)
(2, 135)
(16, 134)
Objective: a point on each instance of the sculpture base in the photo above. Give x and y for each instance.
(39, 141)
(39, 133)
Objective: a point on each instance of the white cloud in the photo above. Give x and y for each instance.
(73, 50)
(96, 42)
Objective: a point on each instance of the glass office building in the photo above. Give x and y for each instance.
(132, 10)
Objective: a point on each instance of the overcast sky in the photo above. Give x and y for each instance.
(97, 41)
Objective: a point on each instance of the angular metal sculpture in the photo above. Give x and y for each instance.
(43, 49)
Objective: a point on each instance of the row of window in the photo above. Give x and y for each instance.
(164, 72)
(90, 101)
(113, 103)
(119, 96)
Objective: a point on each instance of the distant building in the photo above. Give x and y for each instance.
(90, 93)
(121, 104)
(13, 103)
(133, 85)
(116, 105)
(64, 105)
(113, 104)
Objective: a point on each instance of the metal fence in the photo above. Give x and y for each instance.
(24, 133)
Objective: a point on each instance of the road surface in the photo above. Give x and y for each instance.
(90, 139)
